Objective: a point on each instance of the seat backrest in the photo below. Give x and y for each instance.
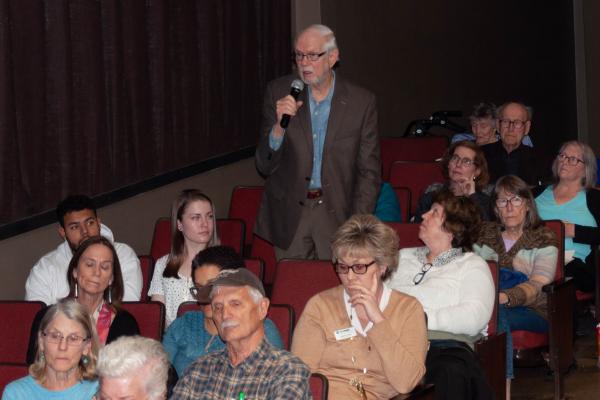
(10, 372)
(265, 251)
(408, 234)
(296, 281)
(417, 176)
(231, 233)
(150, 317)
(319, 386)
(493, 324)
(257, 266)
(404, 199)
(283, 317)
(559, 228)
(244, 205)
(428, 148)
(161, 239)
(17, 317)
(188, 306)
(147, 267)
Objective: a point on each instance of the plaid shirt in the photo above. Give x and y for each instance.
(268, 373)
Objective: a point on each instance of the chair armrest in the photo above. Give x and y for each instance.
(561, 303)
(491, 351)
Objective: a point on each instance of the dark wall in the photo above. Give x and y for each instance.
(419, 57)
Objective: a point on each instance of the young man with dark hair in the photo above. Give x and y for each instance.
(78, 220)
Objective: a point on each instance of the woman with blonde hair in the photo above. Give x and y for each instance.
(65, 363)
(368, 340)
(193, 228)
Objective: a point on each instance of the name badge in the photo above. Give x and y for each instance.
(346, 333)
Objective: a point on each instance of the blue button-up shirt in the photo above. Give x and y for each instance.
(319, 118)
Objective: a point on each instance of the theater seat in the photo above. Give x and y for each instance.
(17, 316)
(10, 372)
(319, 386)
(244, 205)
(150, 317)
(147, 267)
(296, 281)
(417, 176)
(408, 233)
(428, 148)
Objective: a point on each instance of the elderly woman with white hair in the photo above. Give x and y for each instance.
(572, 198)
(133, 367)
(65, 361)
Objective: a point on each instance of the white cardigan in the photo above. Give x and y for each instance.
(457, 297)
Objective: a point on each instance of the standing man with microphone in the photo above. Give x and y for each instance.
(319, 151)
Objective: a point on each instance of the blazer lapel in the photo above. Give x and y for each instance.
(336, 113)
(304, 118)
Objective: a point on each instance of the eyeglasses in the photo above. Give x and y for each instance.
(418, 278)
(516, 201)
(57, 337)
(517, 123)
(310, 56)
(571, 160)
(358, 269)
(467, 162)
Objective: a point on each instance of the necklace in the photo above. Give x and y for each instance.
(357, 382)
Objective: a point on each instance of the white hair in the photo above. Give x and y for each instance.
(129, 355)
(254, 293)
(325, 32)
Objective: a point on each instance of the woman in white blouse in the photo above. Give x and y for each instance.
(457, 292)
(193, 228)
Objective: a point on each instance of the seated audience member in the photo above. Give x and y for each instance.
(65, 362)
(368, 340)
(573, 200)
(78, 220)
(249, 366)
(526, 252)
(456, 289)
(465, 169)
(508, 156)
(193, 228)
(484, 125)
(133, 368)
(95, 282)
(195, 333)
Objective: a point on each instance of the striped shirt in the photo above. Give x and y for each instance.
(267, 373)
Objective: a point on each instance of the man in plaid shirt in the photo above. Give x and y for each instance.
(249, 367)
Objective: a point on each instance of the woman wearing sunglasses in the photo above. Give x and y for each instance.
(572, 198)
(527, 253)
(456, 290)
(368, 340)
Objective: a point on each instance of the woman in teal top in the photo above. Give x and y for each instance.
(194, 333)
(65, 363)
(574, 200)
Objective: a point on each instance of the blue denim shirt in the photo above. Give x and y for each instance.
(319, 118)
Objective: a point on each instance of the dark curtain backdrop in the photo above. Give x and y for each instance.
(96, 95)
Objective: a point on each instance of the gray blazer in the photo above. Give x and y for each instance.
(351, 167)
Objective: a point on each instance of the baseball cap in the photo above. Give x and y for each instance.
(230, 277)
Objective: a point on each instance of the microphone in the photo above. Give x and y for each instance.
(296, 89)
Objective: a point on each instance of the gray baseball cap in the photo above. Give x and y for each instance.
(230, 277)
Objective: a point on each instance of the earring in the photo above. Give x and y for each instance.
(85, 360)
(42, 356)
(109, 294)
(76, 290)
